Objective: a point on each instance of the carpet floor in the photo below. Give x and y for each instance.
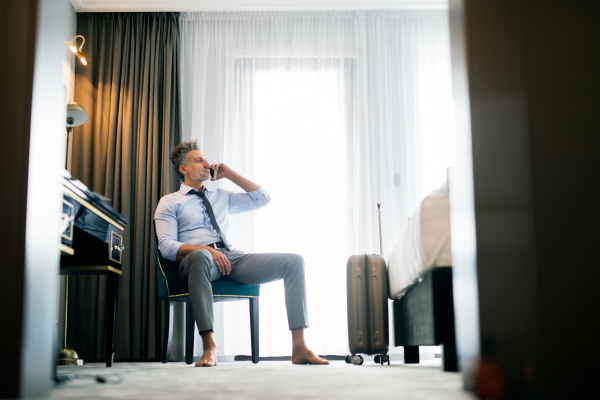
(265, 380)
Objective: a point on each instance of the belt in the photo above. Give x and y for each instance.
(217, 245)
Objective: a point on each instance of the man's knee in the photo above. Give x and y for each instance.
(200, 259)
(295, 262)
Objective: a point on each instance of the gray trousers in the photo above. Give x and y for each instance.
(249, 269)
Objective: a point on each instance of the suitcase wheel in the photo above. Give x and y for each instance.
(380, 359)
(357, 360)
(348, 359)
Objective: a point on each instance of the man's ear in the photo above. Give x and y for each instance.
(183, 169)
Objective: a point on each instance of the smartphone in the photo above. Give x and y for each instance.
(213, 173)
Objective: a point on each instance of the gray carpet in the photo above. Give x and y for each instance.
(265, 380)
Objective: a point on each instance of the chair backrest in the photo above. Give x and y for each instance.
(169, 284)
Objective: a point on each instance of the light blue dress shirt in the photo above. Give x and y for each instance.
(181, 217)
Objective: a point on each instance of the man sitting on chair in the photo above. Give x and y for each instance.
(191, 225)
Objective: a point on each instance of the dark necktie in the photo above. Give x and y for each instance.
(211, 215)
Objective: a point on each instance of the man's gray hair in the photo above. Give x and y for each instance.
(179, 155)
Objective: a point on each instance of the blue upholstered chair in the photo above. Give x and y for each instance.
(173, 288)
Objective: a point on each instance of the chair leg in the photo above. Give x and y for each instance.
(449, 356)
(254, 329)
(411, 355)
(189, 332)
(112, 292)
(168, 331)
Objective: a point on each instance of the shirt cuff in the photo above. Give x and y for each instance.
(173, 249)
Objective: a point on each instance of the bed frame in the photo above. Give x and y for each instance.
(424, 316)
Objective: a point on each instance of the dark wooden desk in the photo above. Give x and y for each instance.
(112, 291)
(92, 244)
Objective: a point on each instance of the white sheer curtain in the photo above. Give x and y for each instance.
(331, 112)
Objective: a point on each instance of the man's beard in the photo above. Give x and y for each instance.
(199, 176)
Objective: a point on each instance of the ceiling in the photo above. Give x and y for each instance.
(252, 5)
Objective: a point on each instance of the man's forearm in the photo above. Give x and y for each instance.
(242, 182)
(186, 249)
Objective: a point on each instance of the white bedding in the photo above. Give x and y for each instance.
(425, 243)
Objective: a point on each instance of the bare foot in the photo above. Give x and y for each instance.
(209, 359)
(302, 355)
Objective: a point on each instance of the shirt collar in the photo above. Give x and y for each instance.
(185, 189)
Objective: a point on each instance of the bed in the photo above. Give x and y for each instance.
(420, 279)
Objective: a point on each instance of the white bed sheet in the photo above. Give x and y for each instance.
(425, 243)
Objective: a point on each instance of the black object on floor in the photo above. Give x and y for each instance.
(411, 355)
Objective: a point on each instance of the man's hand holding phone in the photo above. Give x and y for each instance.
(222, 171)
(219, 171)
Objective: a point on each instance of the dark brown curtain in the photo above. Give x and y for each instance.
(130, 91)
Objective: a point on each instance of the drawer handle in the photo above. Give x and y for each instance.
(119, 247)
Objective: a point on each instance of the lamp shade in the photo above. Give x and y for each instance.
(75, 115)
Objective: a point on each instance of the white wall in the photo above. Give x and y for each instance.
(70, 29)
(46, 155)
(68, 80)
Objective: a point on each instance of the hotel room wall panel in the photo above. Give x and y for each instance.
(17, 18)
(563, 87)
(33, 122)
(528, 93)
(501, 176)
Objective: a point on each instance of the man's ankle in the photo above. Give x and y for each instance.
(208, 341)
(209, 347)
(298, 338)
(300, 344)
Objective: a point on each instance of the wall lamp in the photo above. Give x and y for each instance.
(72, 45)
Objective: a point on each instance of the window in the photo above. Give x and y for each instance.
(299, 154)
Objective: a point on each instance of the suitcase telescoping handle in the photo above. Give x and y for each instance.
(379, 218)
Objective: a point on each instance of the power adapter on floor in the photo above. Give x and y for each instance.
(98, 378)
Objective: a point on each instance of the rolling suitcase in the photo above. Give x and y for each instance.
(368, 288)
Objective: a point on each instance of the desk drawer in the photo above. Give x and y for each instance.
(90, 251)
